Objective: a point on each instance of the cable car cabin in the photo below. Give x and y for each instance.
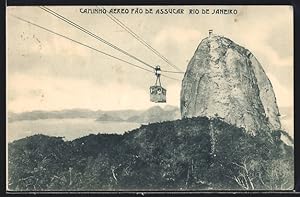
(158, 94)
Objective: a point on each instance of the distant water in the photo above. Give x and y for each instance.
(79, 127)
(68, 128)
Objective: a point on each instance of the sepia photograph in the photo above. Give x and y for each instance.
(150, 98)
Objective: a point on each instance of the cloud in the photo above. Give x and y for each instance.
(44, 44)
(178, 44)
(62, 46)
(177, 34)
(284, 96)
(173, 94)
(44, 93)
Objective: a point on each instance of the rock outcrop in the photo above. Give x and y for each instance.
(225, 80)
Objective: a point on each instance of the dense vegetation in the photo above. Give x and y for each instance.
(196, 153)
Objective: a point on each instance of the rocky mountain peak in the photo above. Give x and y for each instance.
(225, 80)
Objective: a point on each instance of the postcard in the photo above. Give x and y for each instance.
(150, 98)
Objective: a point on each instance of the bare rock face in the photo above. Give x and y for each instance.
(225, 80)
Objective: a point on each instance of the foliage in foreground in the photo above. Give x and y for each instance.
(196, 153)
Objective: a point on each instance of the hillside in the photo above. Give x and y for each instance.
(192, 153)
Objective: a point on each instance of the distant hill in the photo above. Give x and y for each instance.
(156, 114)
(124, 114)
(153, 114)
(192, 153)
(62, 114)
(106, 117)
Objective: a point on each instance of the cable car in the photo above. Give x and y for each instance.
(157, 92)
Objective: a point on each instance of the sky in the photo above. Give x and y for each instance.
(47, 72)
